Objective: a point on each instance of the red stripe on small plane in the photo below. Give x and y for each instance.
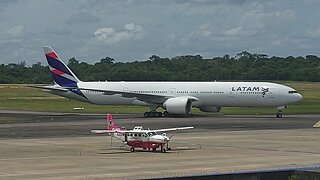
(56, 71)
(52, 55)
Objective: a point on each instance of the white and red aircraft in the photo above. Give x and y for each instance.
(138, 137)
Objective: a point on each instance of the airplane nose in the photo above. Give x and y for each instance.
(299, 97)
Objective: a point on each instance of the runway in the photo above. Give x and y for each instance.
(60, 146)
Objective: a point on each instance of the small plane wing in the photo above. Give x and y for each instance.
(172, 129)
(117, 131)
(138, 131)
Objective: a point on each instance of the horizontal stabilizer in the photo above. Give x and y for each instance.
(100, 131)
(317, 125)
(54, 88)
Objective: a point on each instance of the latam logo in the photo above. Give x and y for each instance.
(244, 88)
(251, 89)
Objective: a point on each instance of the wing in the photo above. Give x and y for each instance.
(100, 131)
(172, 129)
(117, 131)
(149, 98)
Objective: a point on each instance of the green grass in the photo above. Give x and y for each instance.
(20, 97)
(7, 119)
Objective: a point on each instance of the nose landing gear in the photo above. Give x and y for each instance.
(280, 108)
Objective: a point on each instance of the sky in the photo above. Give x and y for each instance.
(129, 30)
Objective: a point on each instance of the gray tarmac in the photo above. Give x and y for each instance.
(39, 145)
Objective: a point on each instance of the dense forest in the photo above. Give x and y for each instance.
(244, 66)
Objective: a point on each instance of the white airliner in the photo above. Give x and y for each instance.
(174, 97)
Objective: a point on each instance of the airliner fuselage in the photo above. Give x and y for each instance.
(208, 94)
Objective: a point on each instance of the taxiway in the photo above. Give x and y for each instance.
(60, 146)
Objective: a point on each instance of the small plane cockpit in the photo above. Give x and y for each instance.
(151, 133)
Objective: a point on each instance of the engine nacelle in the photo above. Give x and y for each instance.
(210, 109)
(178, 105)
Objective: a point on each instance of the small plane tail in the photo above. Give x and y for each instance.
(111, 124)
(60, 72)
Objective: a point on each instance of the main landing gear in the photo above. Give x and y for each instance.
(152, 114)
(156, 114)
(280, 108)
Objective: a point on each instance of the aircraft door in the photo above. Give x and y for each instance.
(272, 92)
(233, 93)
(125, 137)
(173, 91)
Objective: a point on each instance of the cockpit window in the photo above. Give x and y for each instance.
(292, 92)
(152, 133)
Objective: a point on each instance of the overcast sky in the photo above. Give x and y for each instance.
(130, 30)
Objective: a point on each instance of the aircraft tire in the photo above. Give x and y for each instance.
(146, 114)
(132, 149)
(165, 114)
(163, 150)
(154, 149)
(279, 115)
(159, 114)
(153, 114)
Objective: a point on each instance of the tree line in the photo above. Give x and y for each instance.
(243, 67)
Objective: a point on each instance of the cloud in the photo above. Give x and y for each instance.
(238, 31)
(314, 33)
(14, 31)
(82, 17)
(11, 35)
(109, 35)
(6, 3)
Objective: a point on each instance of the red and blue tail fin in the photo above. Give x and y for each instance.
(61, 73)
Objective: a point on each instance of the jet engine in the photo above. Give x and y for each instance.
(209, 109)
(178, 105)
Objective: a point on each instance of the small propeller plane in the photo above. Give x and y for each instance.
(138, 137)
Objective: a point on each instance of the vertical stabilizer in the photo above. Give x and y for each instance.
(60, 72)
(111, 124)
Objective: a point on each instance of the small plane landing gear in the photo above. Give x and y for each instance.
(132, 149)
(168, 148)
(163, 150)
